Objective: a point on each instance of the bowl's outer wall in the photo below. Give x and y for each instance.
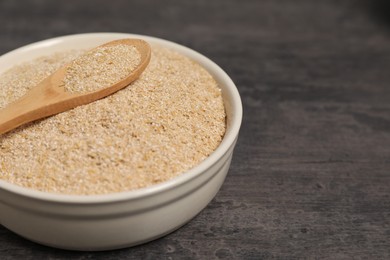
(117, 230)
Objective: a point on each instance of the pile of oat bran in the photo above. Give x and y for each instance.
(163, 124)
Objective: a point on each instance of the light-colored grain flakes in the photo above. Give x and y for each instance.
(100, 67)
(163, 124)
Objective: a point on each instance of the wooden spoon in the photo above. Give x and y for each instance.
(49, 97)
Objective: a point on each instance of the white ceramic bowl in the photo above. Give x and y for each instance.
(118, 220)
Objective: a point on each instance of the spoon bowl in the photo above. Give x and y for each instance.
(49, 97)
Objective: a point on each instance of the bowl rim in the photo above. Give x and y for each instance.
(228, 140)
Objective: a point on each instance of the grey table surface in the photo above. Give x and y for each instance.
(310, 178)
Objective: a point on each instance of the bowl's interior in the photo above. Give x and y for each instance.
(230, 94)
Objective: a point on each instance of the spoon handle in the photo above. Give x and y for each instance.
(30, 107)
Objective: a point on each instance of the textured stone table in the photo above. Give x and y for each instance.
(311, 174)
